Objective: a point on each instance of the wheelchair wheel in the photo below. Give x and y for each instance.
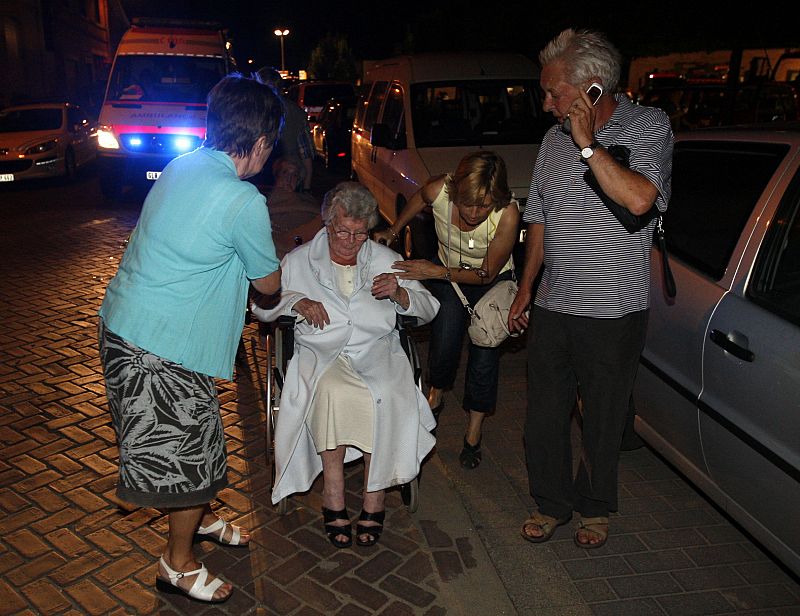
(410, 494)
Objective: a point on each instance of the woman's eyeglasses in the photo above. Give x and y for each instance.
(480, 272)
(358, 236)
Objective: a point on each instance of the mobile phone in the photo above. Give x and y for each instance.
(595, 91)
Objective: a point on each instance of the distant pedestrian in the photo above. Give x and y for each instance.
(171, 321)
(295, 141)
(587, 328)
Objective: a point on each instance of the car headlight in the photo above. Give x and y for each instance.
(41, 147)
(106, 139)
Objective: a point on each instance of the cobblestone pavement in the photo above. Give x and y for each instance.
(68, 546)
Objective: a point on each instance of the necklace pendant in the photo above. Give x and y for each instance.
(471, 244)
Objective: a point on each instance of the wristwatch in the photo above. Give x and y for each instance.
(588, 151)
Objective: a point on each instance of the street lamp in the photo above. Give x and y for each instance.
(281, 34)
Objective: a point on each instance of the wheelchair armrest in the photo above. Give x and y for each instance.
(285, 320)
(405, 321)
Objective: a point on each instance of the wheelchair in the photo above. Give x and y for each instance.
(278, 341)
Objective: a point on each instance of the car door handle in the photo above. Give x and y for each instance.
(731, 347)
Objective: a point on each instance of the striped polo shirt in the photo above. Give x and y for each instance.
(592, 266)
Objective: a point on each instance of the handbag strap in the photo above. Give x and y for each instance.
(669, 280)
(462, 297)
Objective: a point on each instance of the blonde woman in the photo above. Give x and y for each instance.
(476, 228)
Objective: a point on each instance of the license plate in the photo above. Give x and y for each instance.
(6, 177)
(153, 175)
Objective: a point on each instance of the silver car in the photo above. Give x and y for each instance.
(718, 389)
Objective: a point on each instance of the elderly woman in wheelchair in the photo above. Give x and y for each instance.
(349, 390)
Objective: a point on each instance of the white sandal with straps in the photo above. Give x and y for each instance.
(200, 591)
(220, 526)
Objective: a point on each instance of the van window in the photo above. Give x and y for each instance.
(374, 104)
(715, 186)
(393, 111)
(477, 112)
(164, 79)
(361, 106)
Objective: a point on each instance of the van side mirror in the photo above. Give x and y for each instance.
(380, 136)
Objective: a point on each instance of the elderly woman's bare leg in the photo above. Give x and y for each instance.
(373, 511)
(333, 496)
(178, 556)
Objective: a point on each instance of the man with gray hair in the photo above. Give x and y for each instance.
(589, 318)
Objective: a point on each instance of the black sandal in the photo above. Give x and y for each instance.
(470, 456)
(333, 531)
(373, 532)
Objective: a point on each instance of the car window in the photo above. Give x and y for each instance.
(393, 111)
(154, 78)
(75, 117)
(374, 104)
(477, 113)
(715, 186)
(361, 107)
(23, 120)
(776, 283)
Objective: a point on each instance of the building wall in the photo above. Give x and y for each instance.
(54, 49)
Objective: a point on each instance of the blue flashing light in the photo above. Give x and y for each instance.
(135, 141)
(183, 143)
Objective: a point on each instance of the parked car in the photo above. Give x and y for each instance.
(312, 95)
(331, 133)
(718, 388)
(45, 140)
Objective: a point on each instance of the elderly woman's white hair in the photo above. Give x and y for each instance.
(352, 200)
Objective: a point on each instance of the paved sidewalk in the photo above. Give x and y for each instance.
(67, 546)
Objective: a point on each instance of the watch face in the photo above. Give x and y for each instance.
(587, 152)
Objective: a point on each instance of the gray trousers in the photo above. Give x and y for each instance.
(601, 357)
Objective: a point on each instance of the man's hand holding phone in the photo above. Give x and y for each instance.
(593, 94)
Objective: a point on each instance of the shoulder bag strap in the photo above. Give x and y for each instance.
(669, 280)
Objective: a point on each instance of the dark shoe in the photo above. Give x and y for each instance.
(373, 532)
(333, 531)
(436, 412)
(470, 456)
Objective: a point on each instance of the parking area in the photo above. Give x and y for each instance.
(68, 546)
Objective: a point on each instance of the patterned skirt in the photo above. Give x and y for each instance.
(171, 445)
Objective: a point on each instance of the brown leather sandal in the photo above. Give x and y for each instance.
(545, 523)
(595, 526)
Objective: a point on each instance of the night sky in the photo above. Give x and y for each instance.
(378, 29)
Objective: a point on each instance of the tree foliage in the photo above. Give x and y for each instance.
(332, 58)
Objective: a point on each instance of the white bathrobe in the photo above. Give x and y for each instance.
(363, 329)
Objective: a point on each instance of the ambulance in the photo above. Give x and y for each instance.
(155, 102)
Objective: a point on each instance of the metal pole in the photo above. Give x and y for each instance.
(283, 58)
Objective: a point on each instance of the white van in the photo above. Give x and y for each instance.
(155, 103)
(419, 115)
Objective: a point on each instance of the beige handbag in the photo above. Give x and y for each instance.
(489, 317)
